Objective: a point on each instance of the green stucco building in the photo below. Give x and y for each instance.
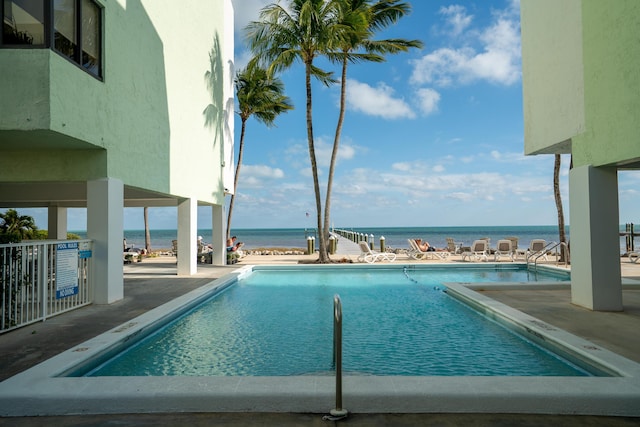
(581, 90)
(106, 104)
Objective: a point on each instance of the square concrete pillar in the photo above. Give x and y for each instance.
(218, 237)
(595, 243)
(187, 237)
(57, 223)
(105, 226)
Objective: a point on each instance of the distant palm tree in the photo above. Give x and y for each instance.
(147, 233)
(558, 197)
(260, 96)
(360, 20)
(302, 32)
(15, 228)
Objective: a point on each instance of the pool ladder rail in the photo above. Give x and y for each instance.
(564, 249)
(338, 412)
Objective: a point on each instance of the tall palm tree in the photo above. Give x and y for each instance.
(302, 32)
(260, 96)
(15, 228)
(360, 20)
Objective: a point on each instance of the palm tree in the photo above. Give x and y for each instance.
(303, 32)
(360, 21)
(260, 96)
(15, 228)
(558, 197)
(147, 233)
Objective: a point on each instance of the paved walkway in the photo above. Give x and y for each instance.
(154, 282)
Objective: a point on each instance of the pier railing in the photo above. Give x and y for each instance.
(40, 279)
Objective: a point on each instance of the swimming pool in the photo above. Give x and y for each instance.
(396, 321)
(46, 390)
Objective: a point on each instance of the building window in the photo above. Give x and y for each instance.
(72, 28)
(23, 22)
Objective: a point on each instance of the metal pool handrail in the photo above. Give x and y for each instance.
(339, 412)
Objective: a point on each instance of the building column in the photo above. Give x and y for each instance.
(595, 243)
(187, 237)
(57, 223)
(218, 237)
(105, 226)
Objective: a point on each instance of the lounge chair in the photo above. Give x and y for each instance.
(416, 253)
(514, 245)
(633, 256)
(205, 253)
(478, 251)
(453, 246)
(371, 256)
(503, 248)
(536, 247)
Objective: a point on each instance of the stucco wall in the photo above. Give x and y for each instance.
(552, 65)
(580, 79)
(197, 114)
(612, 83)
(30, 69)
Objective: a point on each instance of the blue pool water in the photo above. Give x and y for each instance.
(395, 322)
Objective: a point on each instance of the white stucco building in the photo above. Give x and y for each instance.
(580, 62)
(106, 104)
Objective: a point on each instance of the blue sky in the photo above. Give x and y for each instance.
(432, 137)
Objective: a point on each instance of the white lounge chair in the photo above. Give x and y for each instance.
(416, 253)
(478, 251)
(536, 247)
(205, 253)
(504, 248)
(453, 247)
(371, 256)
(633, 256)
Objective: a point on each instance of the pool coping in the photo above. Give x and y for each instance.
(38, 391)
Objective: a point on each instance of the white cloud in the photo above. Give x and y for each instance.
(324, 148)
(257, 175)
(457, 18)
(497, 60)
(428, 100)
(401, 166)
(376, 101)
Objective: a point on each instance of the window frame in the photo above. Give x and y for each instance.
(49, 35)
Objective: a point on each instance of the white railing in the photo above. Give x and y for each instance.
(43, 278)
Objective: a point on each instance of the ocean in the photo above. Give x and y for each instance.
(395, 237)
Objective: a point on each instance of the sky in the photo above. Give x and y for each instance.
(431, 137)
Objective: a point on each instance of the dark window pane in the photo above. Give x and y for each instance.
(91, 44)
(64, 27)
(23, 22)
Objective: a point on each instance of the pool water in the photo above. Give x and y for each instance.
(395, 322)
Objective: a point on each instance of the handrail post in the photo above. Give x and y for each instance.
(338, 411)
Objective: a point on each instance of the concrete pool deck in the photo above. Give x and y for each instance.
(153, 282)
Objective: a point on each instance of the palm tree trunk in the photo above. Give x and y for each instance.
(558, 197)
(334, 152)
(322, 247)
(147, 233)
(237, 174)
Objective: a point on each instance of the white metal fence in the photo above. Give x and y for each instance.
(43, 278)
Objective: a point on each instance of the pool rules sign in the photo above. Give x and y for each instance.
(67, 269)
